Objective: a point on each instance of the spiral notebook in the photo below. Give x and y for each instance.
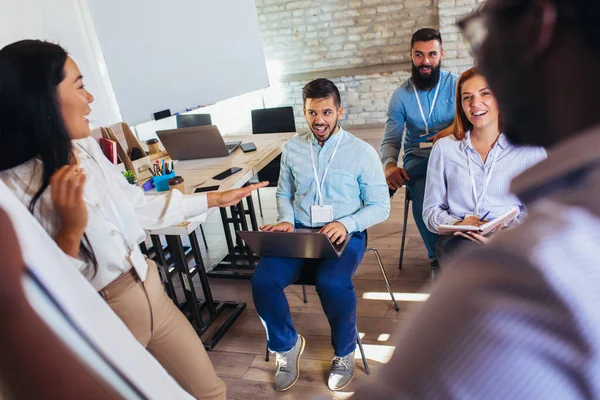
(483, 229)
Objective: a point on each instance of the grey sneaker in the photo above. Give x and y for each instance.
(288, 366)
(342, 372)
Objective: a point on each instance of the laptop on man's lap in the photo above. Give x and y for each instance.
(302, 243)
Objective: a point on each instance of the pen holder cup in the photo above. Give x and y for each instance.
(161, 182)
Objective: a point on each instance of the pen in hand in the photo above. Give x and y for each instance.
(482, 218)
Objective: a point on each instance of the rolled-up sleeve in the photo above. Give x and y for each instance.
(435, 202)
(374, 195)
(394, 129)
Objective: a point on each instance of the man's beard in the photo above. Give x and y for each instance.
(426, 82)
(331, 130)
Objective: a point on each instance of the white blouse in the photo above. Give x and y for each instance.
(118, 211)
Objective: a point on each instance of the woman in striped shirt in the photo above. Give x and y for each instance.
(470, 171)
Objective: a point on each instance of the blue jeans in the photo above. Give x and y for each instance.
(334, 287)
(416, 167)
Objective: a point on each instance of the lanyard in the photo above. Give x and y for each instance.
(314, 165)
(485, 184)
(435, 96)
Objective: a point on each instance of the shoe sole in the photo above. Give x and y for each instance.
(297, 367)
(347, 383)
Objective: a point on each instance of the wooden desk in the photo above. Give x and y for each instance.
(198, 173)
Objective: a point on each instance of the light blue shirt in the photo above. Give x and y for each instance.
(404, 111)
(517, 318)
(449, 191)
(355, 184)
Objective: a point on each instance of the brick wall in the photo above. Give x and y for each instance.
(313, 35)
(305, 36)
(364, 97)
(458, 58)
(310, 35)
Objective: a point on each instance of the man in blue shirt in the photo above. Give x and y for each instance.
(425, 105)
(333, 181)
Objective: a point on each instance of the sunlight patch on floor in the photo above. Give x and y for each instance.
(398, 296)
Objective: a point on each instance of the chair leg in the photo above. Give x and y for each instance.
(385, 278)
(304, 294)
(203, 237)
(267, 352)
(259, 203)
(404, 227)
(362, 354)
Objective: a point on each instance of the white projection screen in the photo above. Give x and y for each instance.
(178, 54)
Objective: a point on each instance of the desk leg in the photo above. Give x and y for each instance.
(226, 220)
(244, 223)
(236, 219)
(240, 261)
(178, 254)
(195, 307)
(210, 303)
(163, 268)
(252, 213)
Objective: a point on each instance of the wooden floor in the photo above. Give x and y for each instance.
(239, 356)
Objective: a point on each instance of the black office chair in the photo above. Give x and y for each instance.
(309, 277)
(191, 120)
(272, 120)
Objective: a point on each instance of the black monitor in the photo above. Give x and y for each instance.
(192, 120)
(273, 120)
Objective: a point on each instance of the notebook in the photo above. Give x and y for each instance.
(483, 229)
(109, 148)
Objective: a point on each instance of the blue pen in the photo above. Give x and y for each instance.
(486, 214)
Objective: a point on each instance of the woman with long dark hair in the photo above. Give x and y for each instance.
(58, 171)
(469, 172)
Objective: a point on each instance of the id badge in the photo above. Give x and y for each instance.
(321, 214)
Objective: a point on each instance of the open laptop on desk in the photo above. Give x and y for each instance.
(196, 142)
(302, 243)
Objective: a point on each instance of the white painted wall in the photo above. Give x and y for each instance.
(67, 23)
(179, 54)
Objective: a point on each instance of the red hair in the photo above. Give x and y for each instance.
(461, 123)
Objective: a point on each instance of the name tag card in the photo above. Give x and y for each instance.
(321, 214)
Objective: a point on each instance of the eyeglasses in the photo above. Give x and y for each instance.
(474, 26)
(474, 29)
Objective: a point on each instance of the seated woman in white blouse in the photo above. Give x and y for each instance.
(58, 171)
(469, 172)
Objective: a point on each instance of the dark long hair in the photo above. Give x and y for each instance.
(31, 124)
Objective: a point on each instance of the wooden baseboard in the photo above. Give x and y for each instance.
(354, 71)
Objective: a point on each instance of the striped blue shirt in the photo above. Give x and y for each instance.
(517, 318)
(449, 192)
(404, 111)
(355, 184)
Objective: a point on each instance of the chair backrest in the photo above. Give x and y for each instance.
(273, 120)
(191, 120)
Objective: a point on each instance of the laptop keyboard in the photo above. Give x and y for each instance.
(231, 146)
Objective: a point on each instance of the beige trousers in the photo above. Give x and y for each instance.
(165, 332)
